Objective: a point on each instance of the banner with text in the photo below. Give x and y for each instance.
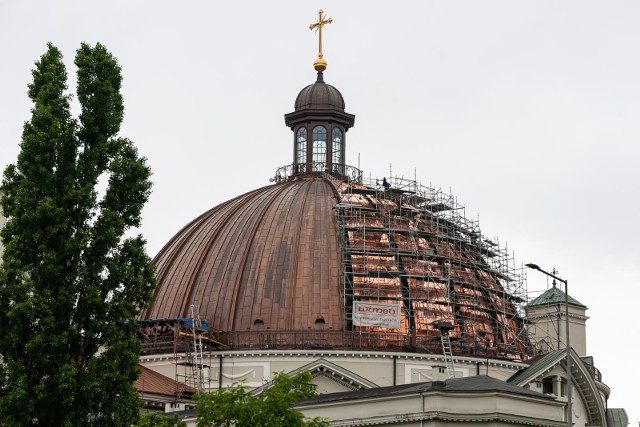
(380, 315)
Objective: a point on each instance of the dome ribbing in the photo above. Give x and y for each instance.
(319, 96)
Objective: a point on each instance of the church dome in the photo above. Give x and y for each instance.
(319, 96)
(287, 264)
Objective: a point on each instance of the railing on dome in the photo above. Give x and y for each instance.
(346, 172)
(369, 341)
(169, 335)
(595, 372)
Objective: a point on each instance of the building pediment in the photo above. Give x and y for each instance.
(584, 386)
(330, 377)
(350, 381)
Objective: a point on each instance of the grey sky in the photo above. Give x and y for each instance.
(527, 110)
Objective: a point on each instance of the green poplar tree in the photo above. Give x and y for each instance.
(71, 283)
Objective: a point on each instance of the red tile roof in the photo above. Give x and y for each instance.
(153, 382)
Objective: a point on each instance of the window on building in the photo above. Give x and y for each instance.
(319, 154)
(336, 147)
(301, 149)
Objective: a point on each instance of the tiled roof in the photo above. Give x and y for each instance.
(153, 382)
(480, 383)
(554, 296)
(538, 366)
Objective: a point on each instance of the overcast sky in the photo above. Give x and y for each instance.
(526, 110)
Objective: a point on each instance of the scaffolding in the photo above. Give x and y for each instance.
(413, 246)
(188, 339)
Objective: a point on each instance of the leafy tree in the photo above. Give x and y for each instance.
(159, 419)
(237, 406)
(70, 280)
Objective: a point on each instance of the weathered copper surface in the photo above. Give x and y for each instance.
(319, 104)
(319, 95)
(269, 259)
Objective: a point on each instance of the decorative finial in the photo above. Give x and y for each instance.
(320, 64)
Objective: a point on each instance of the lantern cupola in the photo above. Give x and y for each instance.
(319, 122)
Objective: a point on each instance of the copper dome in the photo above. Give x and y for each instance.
(319, 96)
(269, 259)
(284, 264)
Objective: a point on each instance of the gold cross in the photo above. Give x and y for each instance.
(320, 64)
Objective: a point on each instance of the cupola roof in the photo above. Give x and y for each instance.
(319, 102)
(554, 295)
(319, 96)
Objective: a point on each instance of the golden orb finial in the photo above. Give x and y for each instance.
(320, 64)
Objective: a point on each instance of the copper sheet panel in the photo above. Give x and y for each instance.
(370, 264)
(361, 240)
(422, 267)
(430, 291)
(377, 287)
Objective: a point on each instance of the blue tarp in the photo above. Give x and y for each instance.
(184, 320)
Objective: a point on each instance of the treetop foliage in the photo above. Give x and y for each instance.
(238, 406)
(70, 279)
(159, 419)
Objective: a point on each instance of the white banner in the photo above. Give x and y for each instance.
(380, 315)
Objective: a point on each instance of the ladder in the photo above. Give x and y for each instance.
(448, 355)
(197, 356)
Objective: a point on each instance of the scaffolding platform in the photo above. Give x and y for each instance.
(413, 245)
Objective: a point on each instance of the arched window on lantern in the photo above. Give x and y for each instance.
(319, 153)
(336, 150)
(301, 149)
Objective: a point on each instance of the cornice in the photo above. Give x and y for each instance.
(449, 417)
(400, 356)
(555, 314)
